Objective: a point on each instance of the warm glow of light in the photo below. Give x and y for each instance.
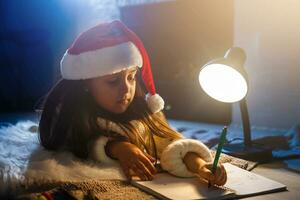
(223, 83)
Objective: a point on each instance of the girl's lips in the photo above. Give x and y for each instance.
(123, 101)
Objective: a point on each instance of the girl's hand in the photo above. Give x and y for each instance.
(131, 158)
(198, 166)
(218, 178)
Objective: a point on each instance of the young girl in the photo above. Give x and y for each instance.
(99, 110)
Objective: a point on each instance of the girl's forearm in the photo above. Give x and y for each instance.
(193, 162)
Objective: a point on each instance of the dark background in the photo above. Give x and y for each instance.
(180, 36)
(33, 36)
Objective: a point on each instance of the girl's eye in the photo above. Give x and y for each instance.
(112, 81)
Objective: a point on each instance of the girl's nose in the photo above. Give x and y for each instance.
(124, 87)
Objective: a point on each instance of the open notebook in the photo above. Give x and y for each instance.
(240, 183)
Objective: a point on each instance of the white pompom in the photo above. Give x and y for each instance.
(155, 102)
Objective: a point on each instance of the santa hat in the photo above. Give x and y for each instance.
(109, 48)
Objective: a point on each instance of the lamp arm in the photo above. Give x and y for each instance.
(246, 123)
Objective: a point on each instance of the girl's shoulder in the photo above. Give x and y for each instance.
(118, 127)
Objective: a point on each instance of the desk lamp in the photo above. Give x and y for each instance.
(226, 80)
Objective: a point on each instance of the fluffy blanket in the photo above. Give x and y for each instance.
(23, 162)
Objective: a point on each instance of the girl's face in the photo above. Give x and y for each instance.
(114, 92)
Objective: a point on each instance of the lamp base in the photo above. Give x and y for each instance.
(253, 152)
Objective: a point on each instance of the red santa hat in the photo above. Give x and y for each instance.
(109, 48)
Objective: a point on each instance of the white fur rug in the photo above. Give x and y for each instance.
(23, 160)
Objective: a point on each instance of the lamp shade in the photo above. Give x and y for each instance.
(224, 79)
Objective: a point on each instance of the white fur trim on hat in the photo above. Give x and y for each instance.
(155, 102)
(172, 157)
(105, 61)
(98, 151)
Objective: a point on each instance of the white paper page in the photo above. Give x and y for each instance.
(240, 181)
(245, 182)
(182, 188)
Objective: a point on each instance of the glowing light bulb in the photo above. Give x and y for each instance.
(223, 83)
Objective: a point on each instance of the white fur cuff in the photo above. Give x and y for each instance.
(172, 157)
(98, 150)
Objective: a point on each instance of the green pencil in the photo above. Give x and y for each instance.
(218, 153)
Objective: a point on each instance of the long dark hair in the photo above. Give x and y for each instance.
(69, 116)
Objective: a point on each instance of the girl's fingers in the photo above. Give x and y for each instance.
(139, 173)
(224, 176)
(126, 171)
(142, 167)
(212, 179)
(148, 164)
(144, 170)
(223, 180)
(150, 157)
(205, 173)
(218, 175)
(221, 176)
